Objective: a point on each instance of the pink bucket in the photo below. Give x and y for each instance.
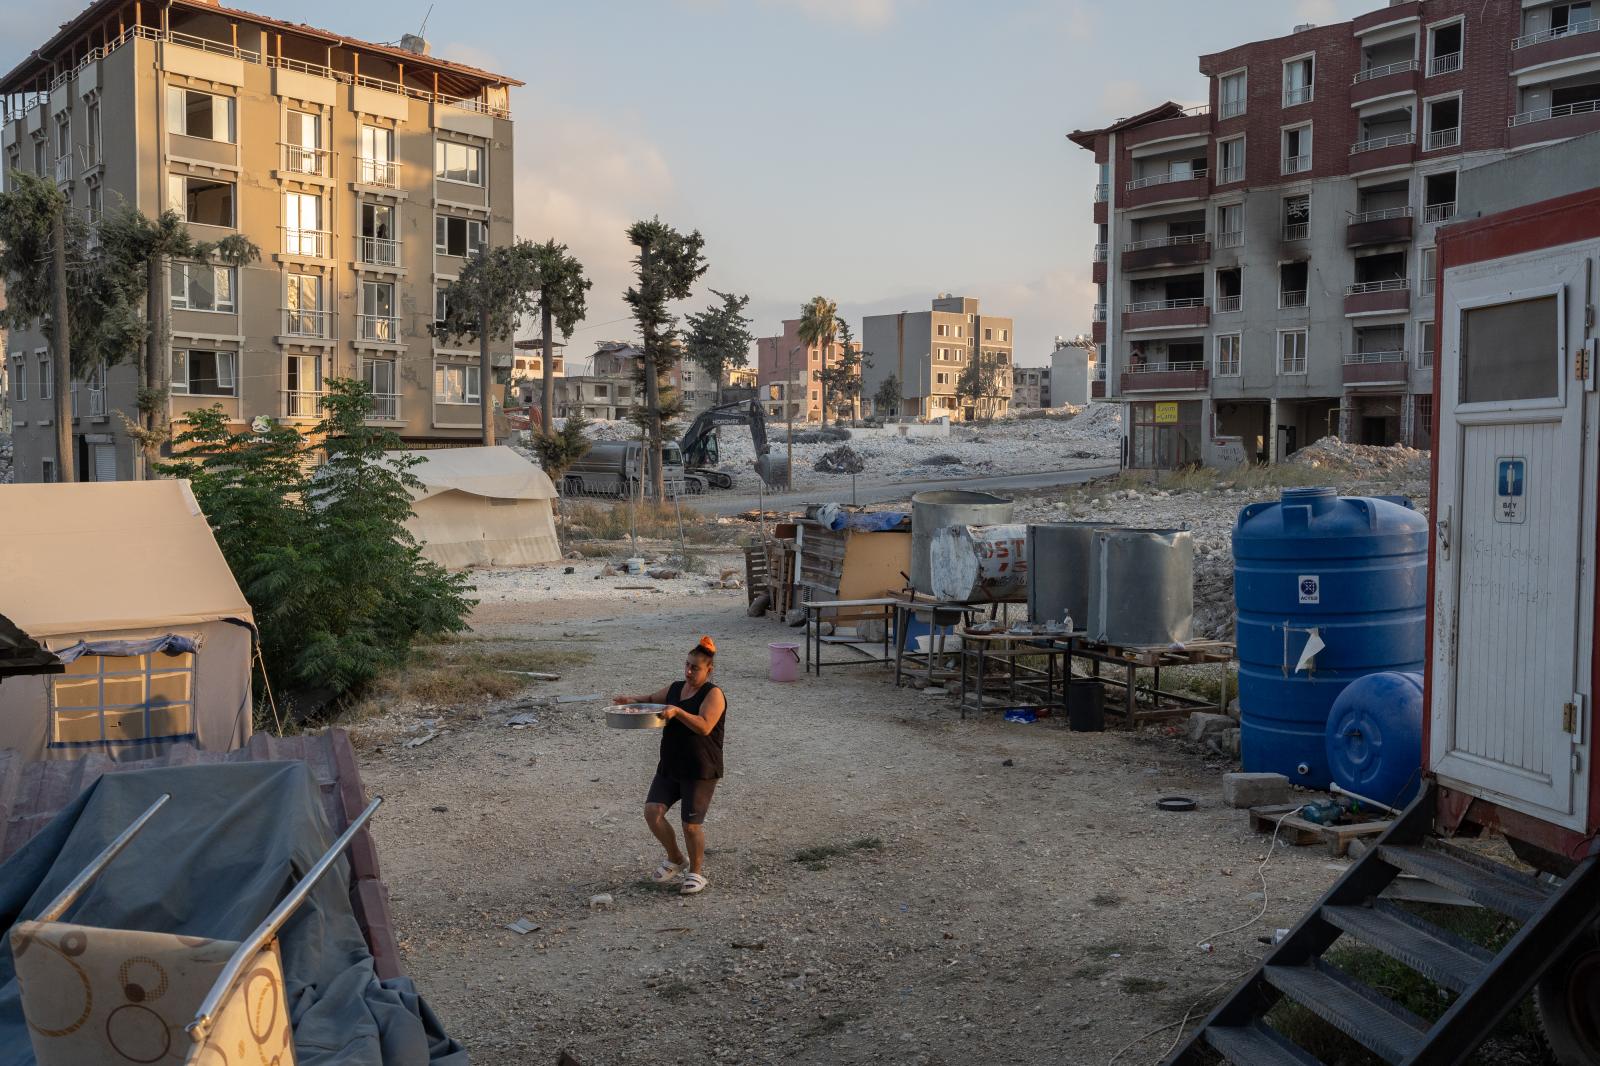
(785, 662)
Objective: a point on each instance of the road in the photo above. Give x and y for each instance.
(881, 492)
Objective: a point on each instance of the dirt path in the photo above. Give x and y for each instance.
(965, 910)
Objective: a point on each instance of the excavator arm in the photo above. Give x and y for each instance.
(704, 426)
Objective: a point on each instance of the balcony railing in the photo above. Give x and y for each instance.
(1444, 64)
(1362, 358)
(1424, 360)
(378, 251)
(1372, 144)
(63, 170)
(1229, 304)
(1389, 285)
(303, 159)
(299, 404)
(1165, 179)
(1292, 298)
(382, 173)
(1168, 242)
(1439, 212)
(1230, 174)
(1569, 30)
(1231, 239)
(1163, 305)
(385, 406)
(1099, 312)
(1101, 191)
(1296, 231)
(1449, 138)
(1231, 109)
(384, 328)
(1100, 253)
(1384, 71)
(1166, 368)
(1544, 114)
(1298, 95)
(316, 324)
(1296, 164)
(207, 45)
(1380, 215)
(311, 243)
(97, 400)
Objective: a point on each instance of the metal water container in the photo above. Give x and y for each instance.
(980, 564)
(1347, 573)
(1058, 570)
(1141, 586)
(932, 511)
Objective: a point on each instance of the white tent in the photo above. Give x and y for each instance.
(125, 583)
(482, 507)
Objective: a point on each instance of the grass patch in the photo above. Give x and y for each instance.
(1141, 986)
(465, 670)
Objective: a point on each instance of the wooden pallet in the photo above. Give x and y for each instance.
(755, 571)
(1194, 653)
(1300, 832)
(780, 576)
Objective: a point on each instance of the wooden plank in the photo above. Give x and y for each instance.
(1299, 831)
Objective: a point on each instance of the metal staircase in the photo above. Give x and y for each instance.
(1488, 985)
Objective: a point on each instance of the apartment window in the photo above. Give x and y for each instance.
(454, 161)
(1227, 355)
(378, 245)
(961, 331)
(47, 376)
(302, 225)
(988, 333)
(1005, 335)
(122, 700)
(1442, 120)
(1292, 351)
(47, 470)
(201, 200)
(303, 313)
(1230, 226)
(1297, 217)
(92, 131)
(19, 378)
(63, 135)
(13, 162)
(455, 383)
(943, 330)
(1230, 160)
(1299, 76)
(1444, 47)
(1231, 94)
(458, 236)
(1424, 345)
(303, 142)
(1430, 265)
(378, 322)
(377, 157)
(1297, 149)
(197, 114)
(302, 378)
(97, 201)
(1439, 196)
(1229, 289)
(441, 308)
(379, 376)
(197, 372)
(1292, 281)
(39, 151)
(203, 287)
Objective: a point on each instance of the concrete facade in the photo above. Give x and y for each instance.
(366, 174)
(790, 364)
(1030, 387)
(1266, 263)
(927, 351)
(1070, 371)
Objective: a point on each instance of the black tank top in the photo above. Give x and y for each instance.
(685, 754)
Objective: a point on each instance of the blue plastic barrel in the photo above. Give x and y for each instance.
(1354, 570)
(1374, 738)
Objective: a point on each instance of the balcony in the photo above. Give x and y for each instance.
(1384, 16)
(1097, 332)
(64, 170)
(1227, 305)
(1392, 150)
(1572, 41)
(1166, 314)
(376, 251)
(1376, 297)
(385, 407)
(1439, 140)
(1158, 188)
(1299, 95)
(1448, 63)
(299, 404)
(1439, 212)
(1097, 272)
(1100, 253)
(1296, 231)
(1186, 250)
(1230, 175)
(1097, 388)
(385, 329)
(1383, 80)
(1101, 192)
(1231, 239)
(1165, 377)
(1296, 164)
(1100, 212)
(308, 243)
(1292, 298)
(1193, 122)
(1388, 226)
(298, 159)
(378, 173)
(308, 325)
(1376, 368)
(1553, 123)
(1099, 312)
(1425, 360)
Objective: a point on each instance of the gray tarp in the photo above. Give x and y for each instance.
(213, 862)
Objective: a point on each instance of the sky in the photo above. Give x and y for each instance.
(876, 152)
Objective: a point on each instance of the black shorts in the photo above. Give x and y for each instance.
(696, 795)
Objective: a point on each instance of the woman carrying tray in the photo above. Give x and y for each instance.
(690, 765)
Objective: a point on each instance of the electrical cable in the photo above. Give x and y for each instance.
(1261, 871)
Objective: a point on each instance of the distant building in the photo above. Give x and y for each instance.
(788, 361)
(528, 361)
(1071, 368)
(927, 351)
(1030, 387)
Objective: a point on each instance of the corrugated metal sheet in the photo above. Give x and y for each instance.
(32, 793)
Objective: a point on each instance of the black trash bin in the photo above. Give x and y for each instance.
(1086, 706)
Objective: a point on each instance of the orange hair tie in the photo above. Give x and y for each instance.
(708, 644)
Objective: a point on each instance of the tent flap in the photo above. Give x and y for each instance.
(170, 644)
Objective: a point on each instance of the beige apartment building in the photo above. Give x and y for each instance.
(366, 173)
(927, 351)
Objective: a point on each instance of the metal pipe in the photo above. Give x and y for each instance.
(1337, 791)
(200, 1028)
(77, 885)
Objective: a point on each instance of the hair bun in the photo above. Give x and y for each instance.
(708, 644)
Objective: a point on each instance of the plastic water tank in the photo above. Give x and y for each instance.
(1349, 572)
(1374, 738)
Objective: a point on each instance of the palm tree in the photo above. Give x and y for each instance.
(819, 321)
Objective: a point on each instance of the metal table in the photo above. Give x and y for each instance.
(1131, 659)
(939, 616)
(980, 648)
(882, 607)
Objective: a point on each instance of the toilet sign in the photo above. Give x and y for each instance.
(1509, 485)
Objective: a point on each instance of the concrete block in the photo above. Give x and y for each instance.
(1202, 725)
(1255, 790)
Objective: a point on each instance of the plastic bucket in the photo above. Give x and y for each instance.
(1086, 709)
(785, 662)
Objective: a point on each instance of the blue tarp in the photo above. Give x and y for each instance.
(213, 862)
(171, 644)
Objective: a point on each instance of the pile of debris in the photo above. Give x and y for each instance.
(1363, 462)
(6, 475)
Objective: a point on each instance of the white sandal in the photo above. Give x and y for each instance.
(693, 884)
(668, 871)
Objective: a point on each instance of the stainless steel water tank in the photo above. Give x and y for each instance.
(1058, 570)
(931, 511)
(979, 564)
(1141, 586)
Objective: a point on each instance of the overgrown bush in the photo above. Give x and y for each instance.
(559, 449)
(339, 587)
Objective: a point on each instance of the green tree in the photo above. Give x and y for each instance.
(493, 292)
(843, 377)
(719, 337)
(819, 322)
(561, 304)
(982, 379)
(886, 401)
(558, 449)
(668, 265)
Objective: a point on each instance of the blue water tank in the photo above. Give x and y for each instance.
(1353, 569)
(1374, 738)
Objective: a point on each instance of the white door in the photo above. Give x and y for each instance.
(303, 223)
(105, 462)
(1515, 522)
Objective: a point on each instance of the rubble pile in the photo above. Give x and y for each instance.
(1363, 461)
(6, 475)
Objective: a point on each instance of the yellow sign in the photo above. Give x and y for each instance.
(1166, 414)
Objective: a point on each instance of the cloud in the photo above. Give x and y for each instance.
(1316, 11)
(862, 14)
(1119, 99)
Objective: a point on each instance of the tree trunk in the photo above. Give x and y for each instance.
(66, 470)
(652, 384)
(154, 357)
(485, 380)
(547, 402)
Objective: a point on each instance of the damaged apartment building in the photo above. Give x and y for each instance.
(1266, 262)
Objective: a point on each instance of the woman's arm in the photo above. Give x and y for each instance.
(711, 709)
(654, 697)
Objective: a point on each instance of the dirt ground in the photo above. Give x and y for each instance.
(889, 883)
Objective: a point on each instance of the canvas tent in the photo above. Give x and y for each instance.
(482, 507)
(124, 582)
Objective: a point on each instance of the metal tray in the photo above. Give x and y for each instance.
(636, 716)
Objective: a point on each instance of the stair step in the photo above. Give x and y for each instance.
(1257, 1044)
(1440, 956)
(1375, 1021)
(1495, 887)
